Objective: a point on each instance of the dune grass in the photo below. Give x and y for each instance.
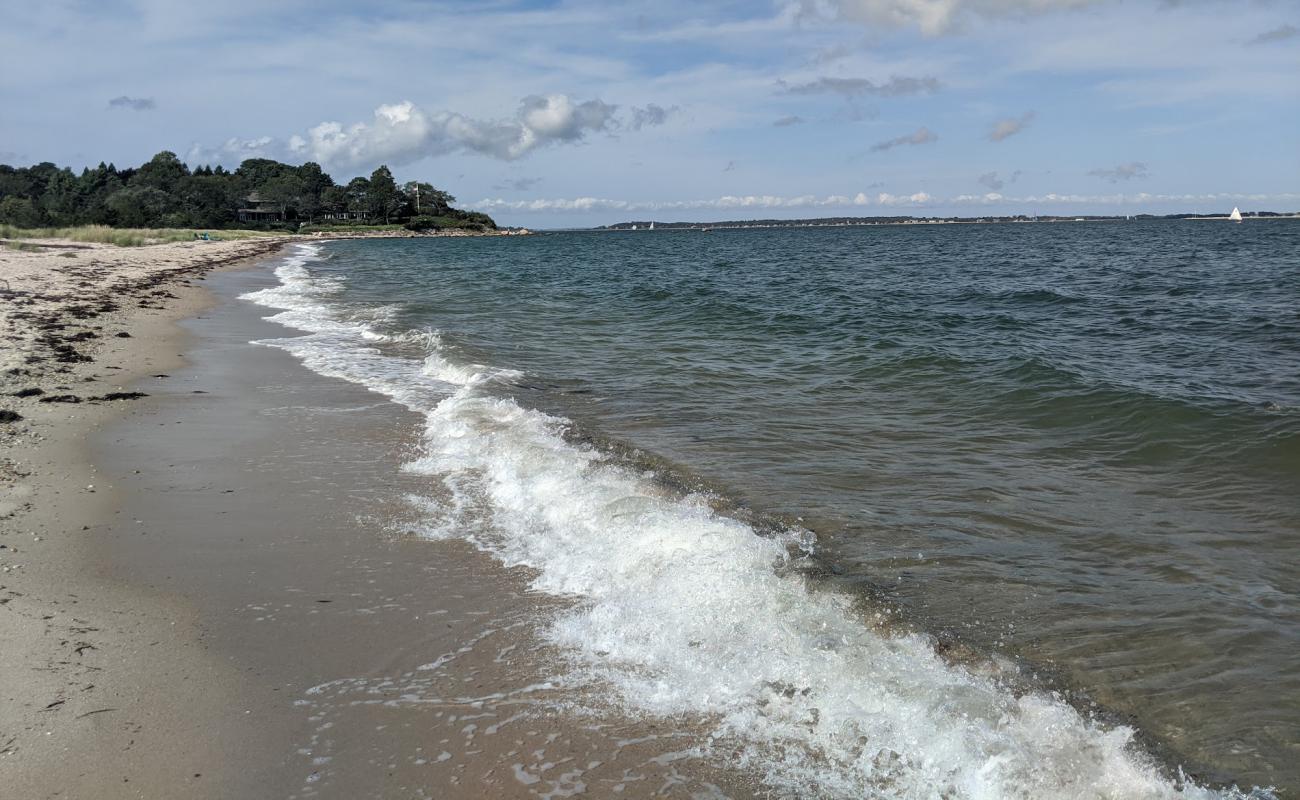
(19, 246)
(124, 237)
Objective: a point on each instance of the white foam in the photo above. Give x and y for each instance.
(684, 611)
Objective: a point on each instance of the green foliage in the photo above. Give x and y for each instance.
(447, 222)
(427, 200)
(422, 223)
(383, 198)
(122, 237)
(19, 211)
(166, 193)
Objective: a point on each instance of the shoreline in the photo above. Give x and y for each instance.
(697, 227)
(162, 633)
(150, 650)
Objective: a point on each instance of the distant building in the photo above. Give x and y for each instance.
(259, 210)
(346, 215)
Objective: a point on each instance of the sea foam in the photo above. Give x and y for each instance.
(683, 611)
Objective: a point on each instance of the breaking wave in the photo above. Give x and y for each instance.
(683, 610)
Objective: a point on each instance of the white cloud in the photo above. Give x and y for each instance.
(919, 136)
(234, 150)
(1139, 198)
(987, 198)
(785, 122)
(398, 133)
(403, 132)
(761, 203)
(726, 202)
(934, 17)
(1010, 126)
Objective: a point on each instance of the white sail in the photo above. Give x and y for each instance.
(1235, 216)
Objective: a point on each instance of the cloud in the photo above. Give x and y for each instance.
(234, 150)
(402, 132)
(1279, 34)
(518, 184)
(728, 202)
(785, 122)
(1005, 128)
(935, 17)
(650, 116)
(1122, 172)
(759, 203)
(992, 181)
(919, 136)
(133, 103)
(1141, 198)
(896, 86)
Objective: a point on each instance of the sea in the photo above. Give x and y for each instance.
(896, 511)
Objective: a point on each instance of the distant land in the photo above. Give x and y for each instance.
(833, 222)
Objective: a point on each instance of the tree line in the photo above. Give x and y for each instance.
(165, 193)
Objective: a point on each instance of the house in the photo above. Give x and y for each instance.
(346, 215)
(259, 210)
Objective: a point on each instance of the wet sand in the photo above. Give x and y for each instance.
(260, 620)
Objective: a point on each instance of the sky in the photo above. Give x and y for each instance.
(571, 114)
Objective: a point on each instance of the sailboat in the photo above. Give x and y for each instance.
(1235, 216)
(652, 226)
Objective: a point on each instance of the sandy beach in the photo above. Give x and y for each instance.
(80, 323)
(200, 598)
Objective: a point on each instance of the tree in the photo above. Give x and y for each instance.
(210, 200)
(164, 171)
(284, 191)
(255, 172)
(139, 206)
(426, 200)
(385, 199)
(314, 182)
(334, 200)
(164, 191)
(358, 195)
(20, 212)
(59, 203)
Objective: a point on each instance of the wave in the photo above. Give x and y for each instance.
(684, 611)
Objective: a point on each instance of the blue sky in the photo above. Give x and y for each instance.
(582, 113)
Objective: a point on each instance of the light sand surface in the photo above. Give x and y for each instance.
(213, 591)
(79, 655)
(51, 294)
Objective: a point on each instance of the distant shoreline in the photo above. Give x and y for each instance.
(863, 222)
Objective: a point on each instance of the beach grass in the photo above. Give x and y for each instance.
(123, 237)
(20, 246)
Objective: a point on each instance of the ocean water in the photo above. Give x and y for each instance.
(909, 511)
